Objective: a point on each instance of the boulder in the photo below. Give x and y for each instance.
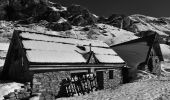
(82, 21)
(48, 15)
(79, 15)
(90, 20)
(119, 20)
(52, 16)
(57, 5)
(60, 26)
(38, 9)
(79, 21)
(115, 20)
(64, 14)
(66, 26)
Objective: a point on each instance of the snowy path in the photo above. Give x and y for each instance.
(146, 90)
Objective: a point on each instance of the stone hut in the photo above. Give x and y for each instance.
(45, 59)
(141, 54)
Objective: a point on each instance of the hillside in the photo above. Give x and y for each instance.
(144, 23)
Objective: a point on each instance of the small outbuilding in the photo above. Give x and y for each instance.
(141, 54)
(46, 59)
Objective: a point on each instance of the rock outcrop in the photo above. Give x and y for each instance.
(80, 16)
(59, 26)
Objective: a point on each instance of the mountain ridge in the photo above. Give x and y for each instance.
(56, 17)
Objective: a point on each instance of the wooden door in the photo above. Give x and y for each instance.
(100, 79)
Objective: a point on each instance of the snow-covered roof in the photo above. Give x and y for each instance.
(44, 48)
(54, 56)
(108, 58)
(4, 46)
(165, 49)
(2, 62)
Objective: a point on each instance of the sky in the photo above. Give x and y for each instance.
(156, 8)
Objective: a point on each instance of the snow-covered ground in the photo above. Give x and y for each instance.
(3, 51)
(2, 62)
(4, 46)
(145, 23)
(153, 89)
(6, 88)
(165, 52)
(165, 65)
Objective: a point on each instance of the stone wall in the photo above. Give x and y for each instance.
(49, 82)
(116, 81)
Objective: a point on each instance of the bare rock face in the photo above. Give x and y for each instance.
(57, 5)
(2, 13)
(21, 9)
(79, 21)
(64, 14)
(51, 16)
(60, 26)
(118, 20)
(3, 3)
(39, 10)
(79, 15)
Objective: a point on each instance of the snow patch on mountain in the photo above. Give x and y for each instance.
(145, 23)
(116, 35)
(61, 20)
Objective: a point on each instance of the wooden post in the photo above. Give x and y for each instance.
(90, 46)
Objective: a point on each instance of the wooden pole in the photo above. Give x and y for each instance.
(90, 46)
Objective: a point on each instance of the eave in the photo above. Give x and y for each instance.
(43, 67)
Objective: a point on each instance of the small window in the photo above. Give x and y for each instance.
(110, 74)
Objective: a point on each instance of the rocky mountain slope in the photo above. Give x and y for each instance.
(73, 20)
(139, 24)
(145, 23)
(58, 18)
